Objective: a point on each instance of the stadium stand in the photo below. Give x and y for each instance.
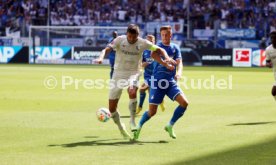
(209, 14)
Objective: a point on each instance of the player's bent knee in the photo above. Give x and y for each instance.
(152, 113)
(184, 104)
(132, 93)
(152, 109)
(113, 105)
(142, 90)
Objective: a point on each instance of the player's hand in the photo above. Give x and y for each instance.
(170, 61)
(145, 64)
(177, 77)
(169, 66)
(98, 61)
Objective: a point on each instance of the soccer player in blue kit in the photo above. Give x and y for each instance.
(163, 82)
(112, 54)
(147, 64)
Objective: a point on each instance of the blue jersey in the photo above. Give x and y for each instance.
(147, 58)
(160, 71)
(159, 90)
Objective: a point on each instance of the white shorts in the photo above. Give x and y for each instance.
(122, 80)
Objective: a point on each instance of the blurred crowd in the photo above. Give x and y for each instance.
(207, 14)
(220, 14)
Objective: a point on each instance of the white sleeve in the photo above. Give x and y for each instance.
(115, 43)
(148, 45)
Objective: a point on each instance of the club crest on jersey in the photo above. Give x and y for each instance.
(138, 47)
(174, 50)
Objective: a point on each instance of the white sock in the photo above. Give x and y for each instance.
(116, 118)
(132, 109)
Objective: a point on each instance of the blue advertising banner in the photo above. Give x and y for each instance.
(236, 33)
(49, 53)
(8, 52)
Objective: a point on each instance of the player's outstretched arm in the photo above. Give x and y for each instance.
(104, 52)
(158, 59)
(179, 69)
(145, 64)
(162, 52)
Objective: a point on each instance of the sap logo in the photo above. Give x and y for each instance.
(50, 52)
(7, 53)
(242, 55)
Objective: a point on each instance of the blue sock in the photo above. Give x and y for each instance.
(142, 99)
(144, 118)
(178, 112)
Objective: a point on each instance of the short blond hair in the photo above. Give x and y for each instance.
(151, 38)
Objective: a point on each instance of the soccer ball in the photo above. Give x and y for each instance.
(103, 114)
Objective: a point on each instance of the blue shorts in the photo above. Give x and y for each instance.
(158, 92)
(147, 79)
(112, 61)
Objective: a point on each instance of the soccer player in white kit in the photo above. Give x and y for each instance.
(270, 53)
(129, 49)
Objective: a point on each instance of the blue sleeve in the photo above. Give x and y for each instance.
(177, 53)
(144, 57)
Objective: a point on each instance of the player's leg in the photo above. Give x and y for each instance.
(111, 72)
(176, 94)
(142, 92)
(273, 91)
(114, 96)
(162, 106)
(155, 98)
(145, 117)
(132, 93)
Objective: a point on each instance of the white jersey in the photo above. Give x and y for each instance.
(129, 56)
(270, 54)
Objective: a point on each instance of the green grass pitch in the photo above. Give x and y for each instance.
(40, 126)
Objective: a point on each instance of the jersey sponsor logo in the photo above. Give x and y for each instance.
(130, 53)
(149, 60)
